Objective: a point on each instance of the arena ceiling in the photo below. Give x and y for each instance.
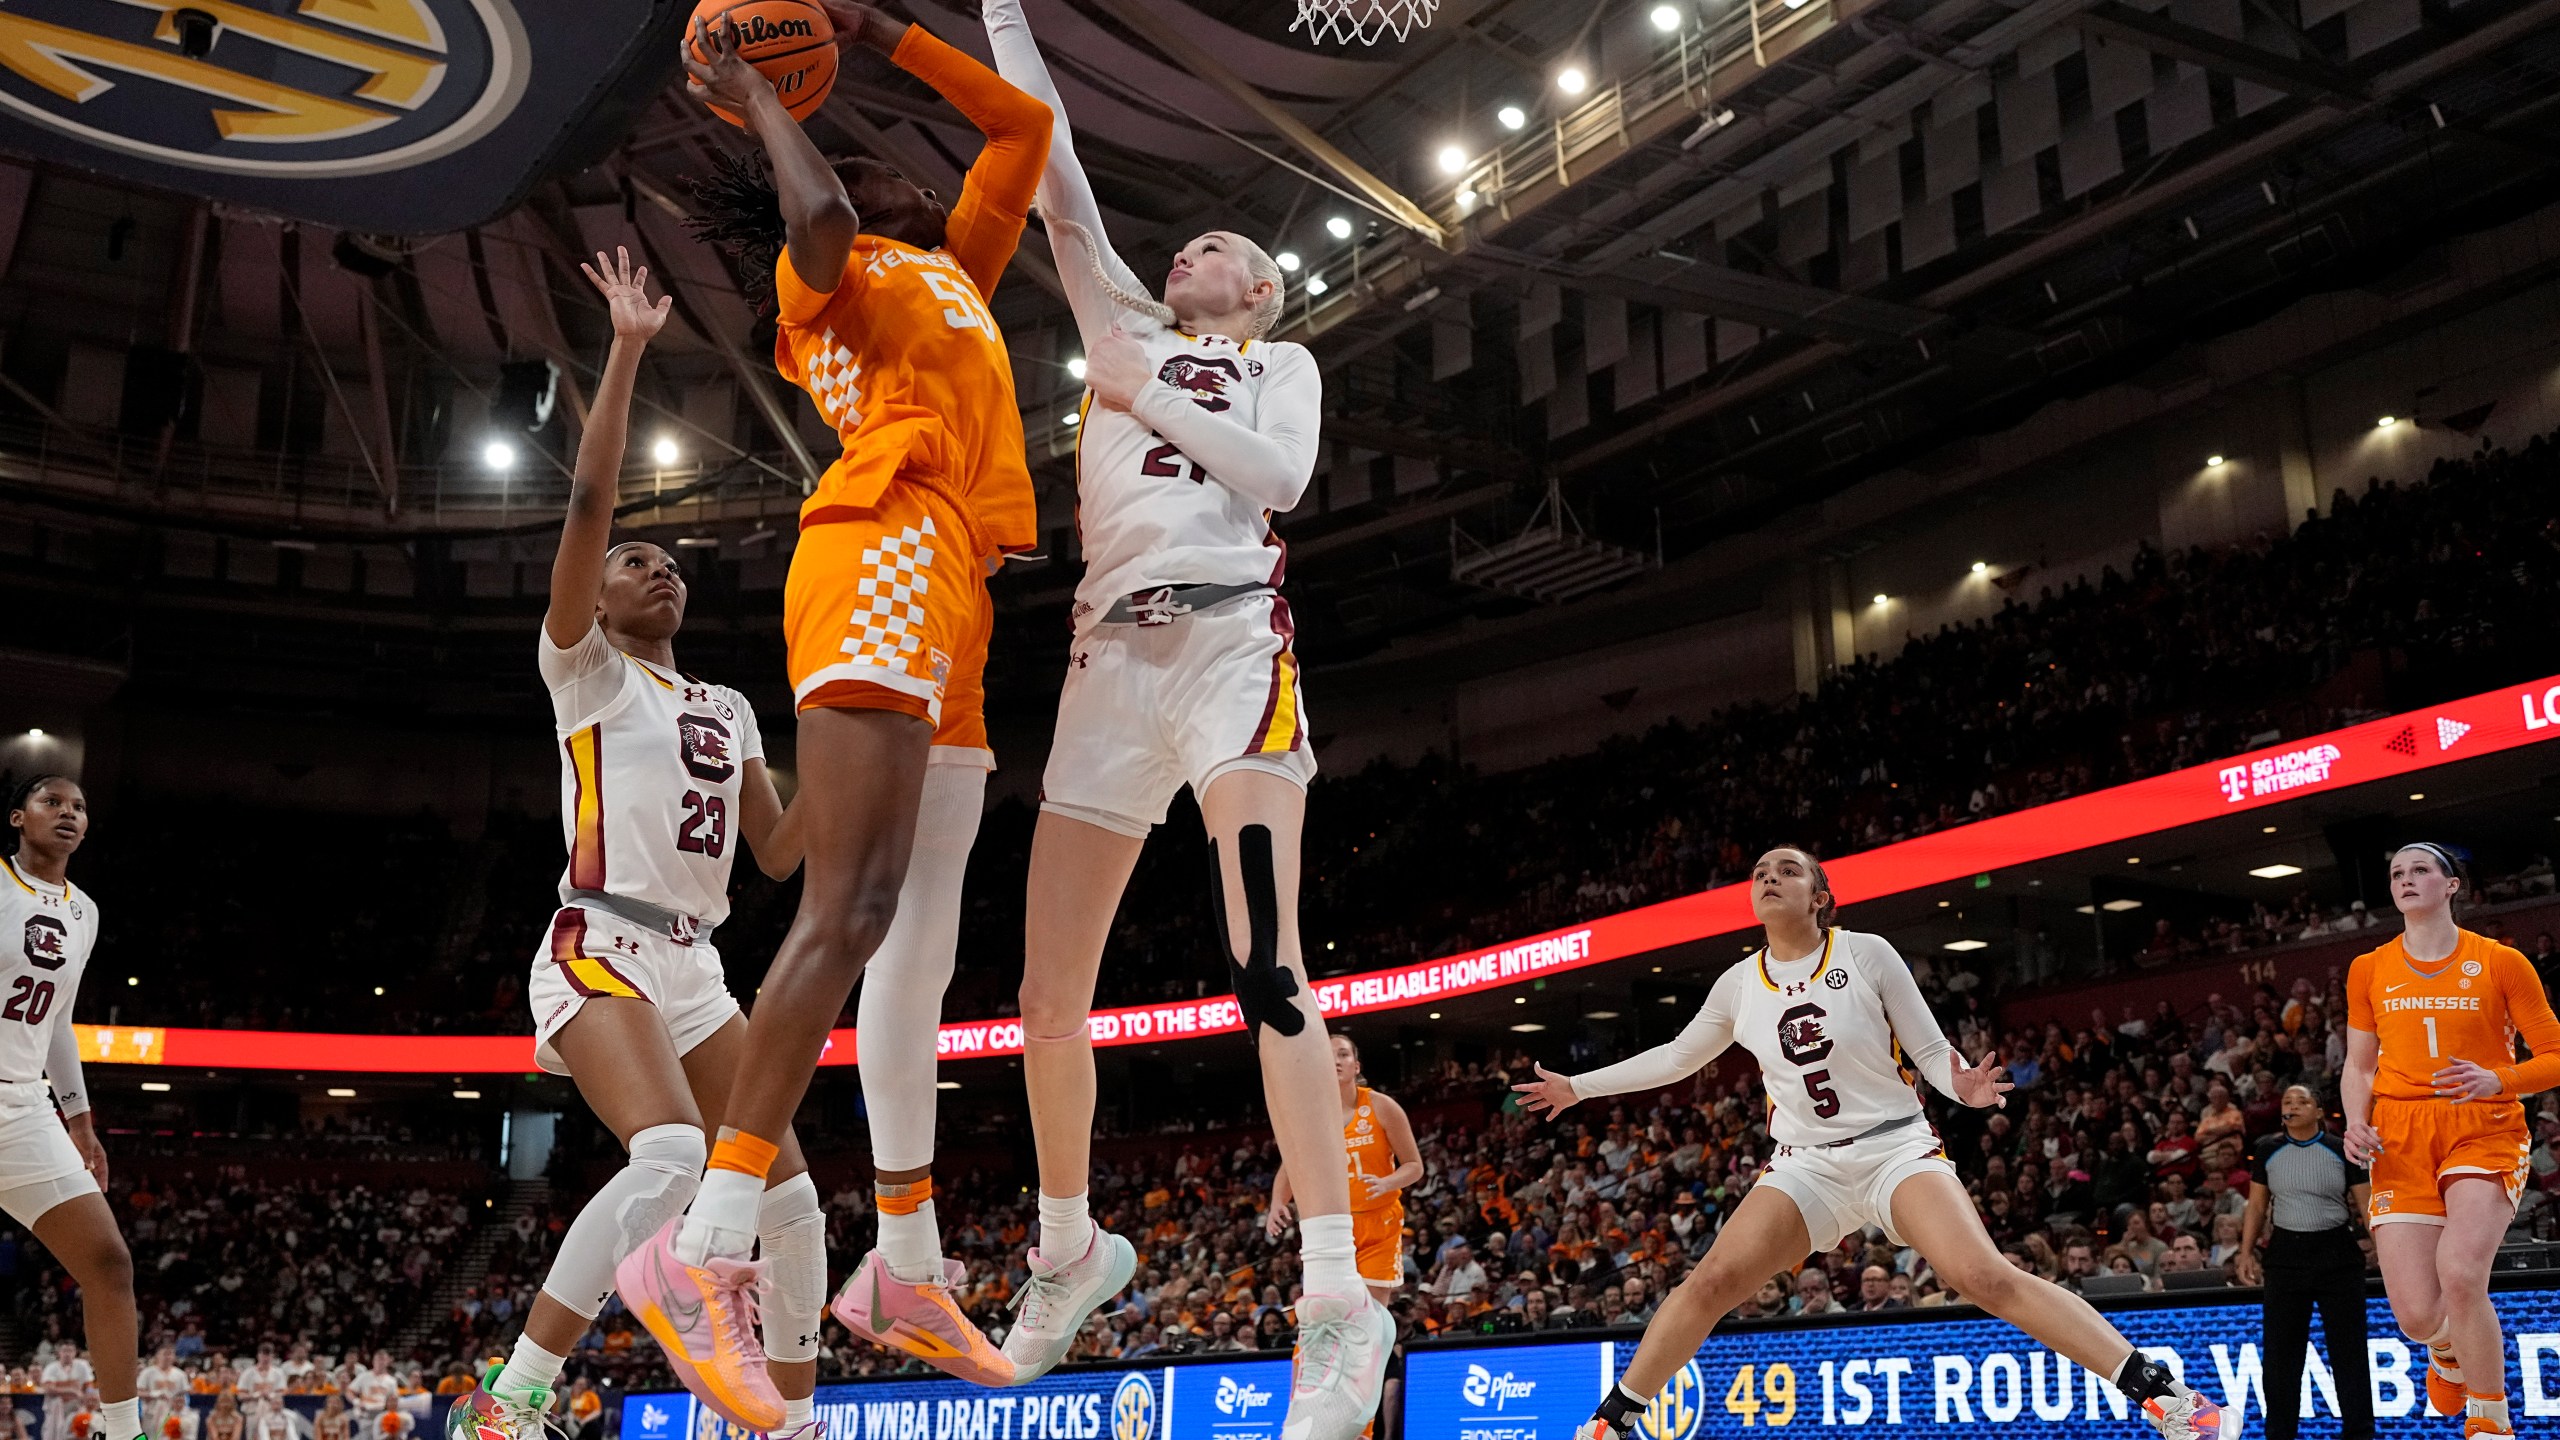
(1758, 255)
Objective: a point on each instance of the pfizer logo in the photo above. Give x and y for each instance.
(312, 89)
(1485, 1390)
(1239, 1398)
(1133, 1409)
(1680, 1411)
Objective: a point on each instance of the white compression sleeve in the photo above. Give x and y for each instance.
(899, 1016)
(792, 1228)
(1685, 1054)
(664, 1171)
(62, 1061)
(1064, 192)
(1268, 464)
(1924, 1044)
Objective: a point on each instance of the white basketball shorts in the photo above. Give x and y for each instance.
(1148, 709)
(592, 952)
(39, 1166)
(1849, 1187)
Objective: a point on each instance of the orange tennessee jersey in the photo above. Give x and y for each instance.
(1364, 1141)
(2469, 1006)
(900, 351)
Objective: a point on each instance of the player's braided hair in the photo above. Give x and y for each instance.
(1257, 263)
(737, 209)
(11, 834)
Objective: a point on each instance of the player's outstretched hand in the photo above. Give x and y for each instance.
(2462, 1080)
(626, 295)
(1985, 1085)
(1550, 1094)
(859, 24)
(1117, 370)
(2363, 1142)
(726, 79)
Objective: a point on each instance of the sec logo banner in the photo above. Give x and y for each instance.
(1680, 1411)
(1133, 1409)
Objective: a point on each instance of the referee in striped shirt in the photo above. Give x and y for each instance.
(2305, 1200)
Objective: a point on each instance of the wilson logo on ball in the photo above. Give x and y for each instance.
(259, 87)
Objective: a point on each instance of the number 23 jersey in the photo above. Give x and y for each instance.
(46, 933)
(651, 762)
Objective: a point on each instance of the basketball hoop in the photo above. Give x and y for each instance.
(1366, 21)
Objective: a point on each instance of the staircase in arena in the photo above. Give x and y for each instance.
(469, 1264)
(14, 1340)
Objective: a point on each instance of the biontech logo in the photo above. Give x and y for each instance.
(312, 89)
(1482, 1388)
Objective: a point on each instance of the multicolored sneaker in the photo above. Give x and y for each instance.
(704, 1318)
(1344, 1342)
(483, 1414)
(920, 1320)
(2187, 1415)
(806, 1430)
(2445, 1392)
(1056, 1299)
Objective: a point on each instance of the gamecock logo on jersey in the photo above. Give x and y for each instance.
(48, 943)
(1206, 380)
(705, 744)
(1800, 1036)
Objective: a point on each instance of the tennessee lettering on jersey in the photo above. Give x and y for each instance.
(2431, 1002)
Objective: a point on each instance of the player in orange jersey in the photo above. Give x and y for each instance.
(1377, 1139)
(2434, 1100)
(880, 296)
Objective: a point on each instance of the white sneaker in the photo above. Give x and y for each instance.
(1344, 1342)
(1056, 1299)
(2187, 1415)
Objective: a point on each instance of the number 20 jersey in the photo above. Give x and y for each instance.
(650, 767)
(46, 933)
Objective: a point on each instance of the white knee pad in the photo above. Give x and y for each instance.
(665, 1170)
(792, 1228)
(899, 1015)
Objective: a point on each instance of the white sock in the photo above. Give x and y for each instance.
(1326, 1252)
(529, 1369)
(796, 1413)
(120, 1419)
(898, 1014)
(791, 1229)
(1066, 1227)
(722, 1221)
(2481, 1407)
(912, 1245)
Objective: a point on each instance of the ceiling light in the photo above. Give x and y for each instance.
(1316, 285)
(340, 1092)
(1601, 1015)
(498, 455)
(1075, 367)
(2417, 794)
(1339, 227)
(1512, 117)
(1981, 567)
(1943, 904)
(946, 1084)
(1572, 81)
(2267, 830)
(2133, 859)
(1435, 1014)
(1960, 946)
(2276, 872)
(1519, 999)
(665, 451)
(2386, 422)
(2213, 459)
(1288, 261)
(1466, 195)
(1527, 1027)
(1452, 159)
(466, 1094)
(35, 732)
(1666, 18)
(1071, 419)
(156, 1087)
(133, 979)
(1657, 969)
(1669, 1000)
(696, 542)
(2118, 907)
(1882, 598)
(2084, 909)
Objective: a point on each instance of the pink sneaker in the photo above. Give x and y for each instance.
(920, 1320)
(704, 1318)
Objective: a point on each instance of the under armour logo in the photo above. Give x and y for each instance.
(1080, 657)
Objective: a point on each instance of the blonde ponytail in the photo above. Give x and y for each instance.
(1258, 263)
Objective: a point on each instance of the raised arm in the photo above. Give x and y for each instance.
(771, 828)
(995, 198)
(818, 220)
(1065, 194)
(577, 568)
(1923, 1043)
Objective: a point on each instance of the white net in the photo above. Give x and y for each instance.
(1366, 21)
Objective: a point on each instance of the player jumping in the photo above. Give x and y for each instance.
(52, 1168)
(1838, 1027)
(2433, 1094)
(661, 775)
(883, 320)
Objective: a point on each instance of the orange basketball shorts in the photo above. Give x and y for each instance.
(2428, 1143)
(888, 610)
(1377, 1236)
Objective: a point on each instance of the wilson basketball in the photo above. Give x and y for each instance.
(791, 42)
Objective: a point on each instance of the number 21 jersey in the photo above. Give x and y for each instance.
(650, 767)
(46, 933)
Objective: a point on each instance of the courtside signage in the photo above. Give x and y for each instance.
(2376, 750)
(1243, 1400)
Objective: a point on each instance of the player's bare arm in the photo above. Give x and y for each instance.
(819, 223)
(2355, 1095)
(577, 569)
(771, 828)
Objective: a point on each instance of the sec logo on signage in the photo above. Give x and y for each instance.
(1133, 1409)
(1680, 1411)
(310, 89)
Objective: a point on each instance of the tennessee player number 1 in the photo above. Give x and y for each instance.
(2430, 1022)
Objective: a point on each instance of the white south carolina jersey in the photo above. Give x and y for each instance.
(1148, 513)
(651, 761)
(46, 934)
(1839, 1034)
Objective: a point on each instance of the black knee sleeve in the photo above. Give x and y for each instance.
(1265, 989)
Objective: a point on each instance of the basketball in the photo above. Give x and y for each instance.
(790, 42)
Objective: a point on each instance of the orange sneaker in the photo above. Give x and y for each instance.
(704, 1318)
(920, 1320)
(2444, 1385)
(2486, 1417)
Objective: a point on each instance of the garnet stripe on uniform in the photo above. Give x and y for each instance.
(587, 974)
(586, 842)
(1279, 731)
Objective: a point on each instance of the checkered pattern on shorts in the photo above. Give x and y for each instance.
(888, 629)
